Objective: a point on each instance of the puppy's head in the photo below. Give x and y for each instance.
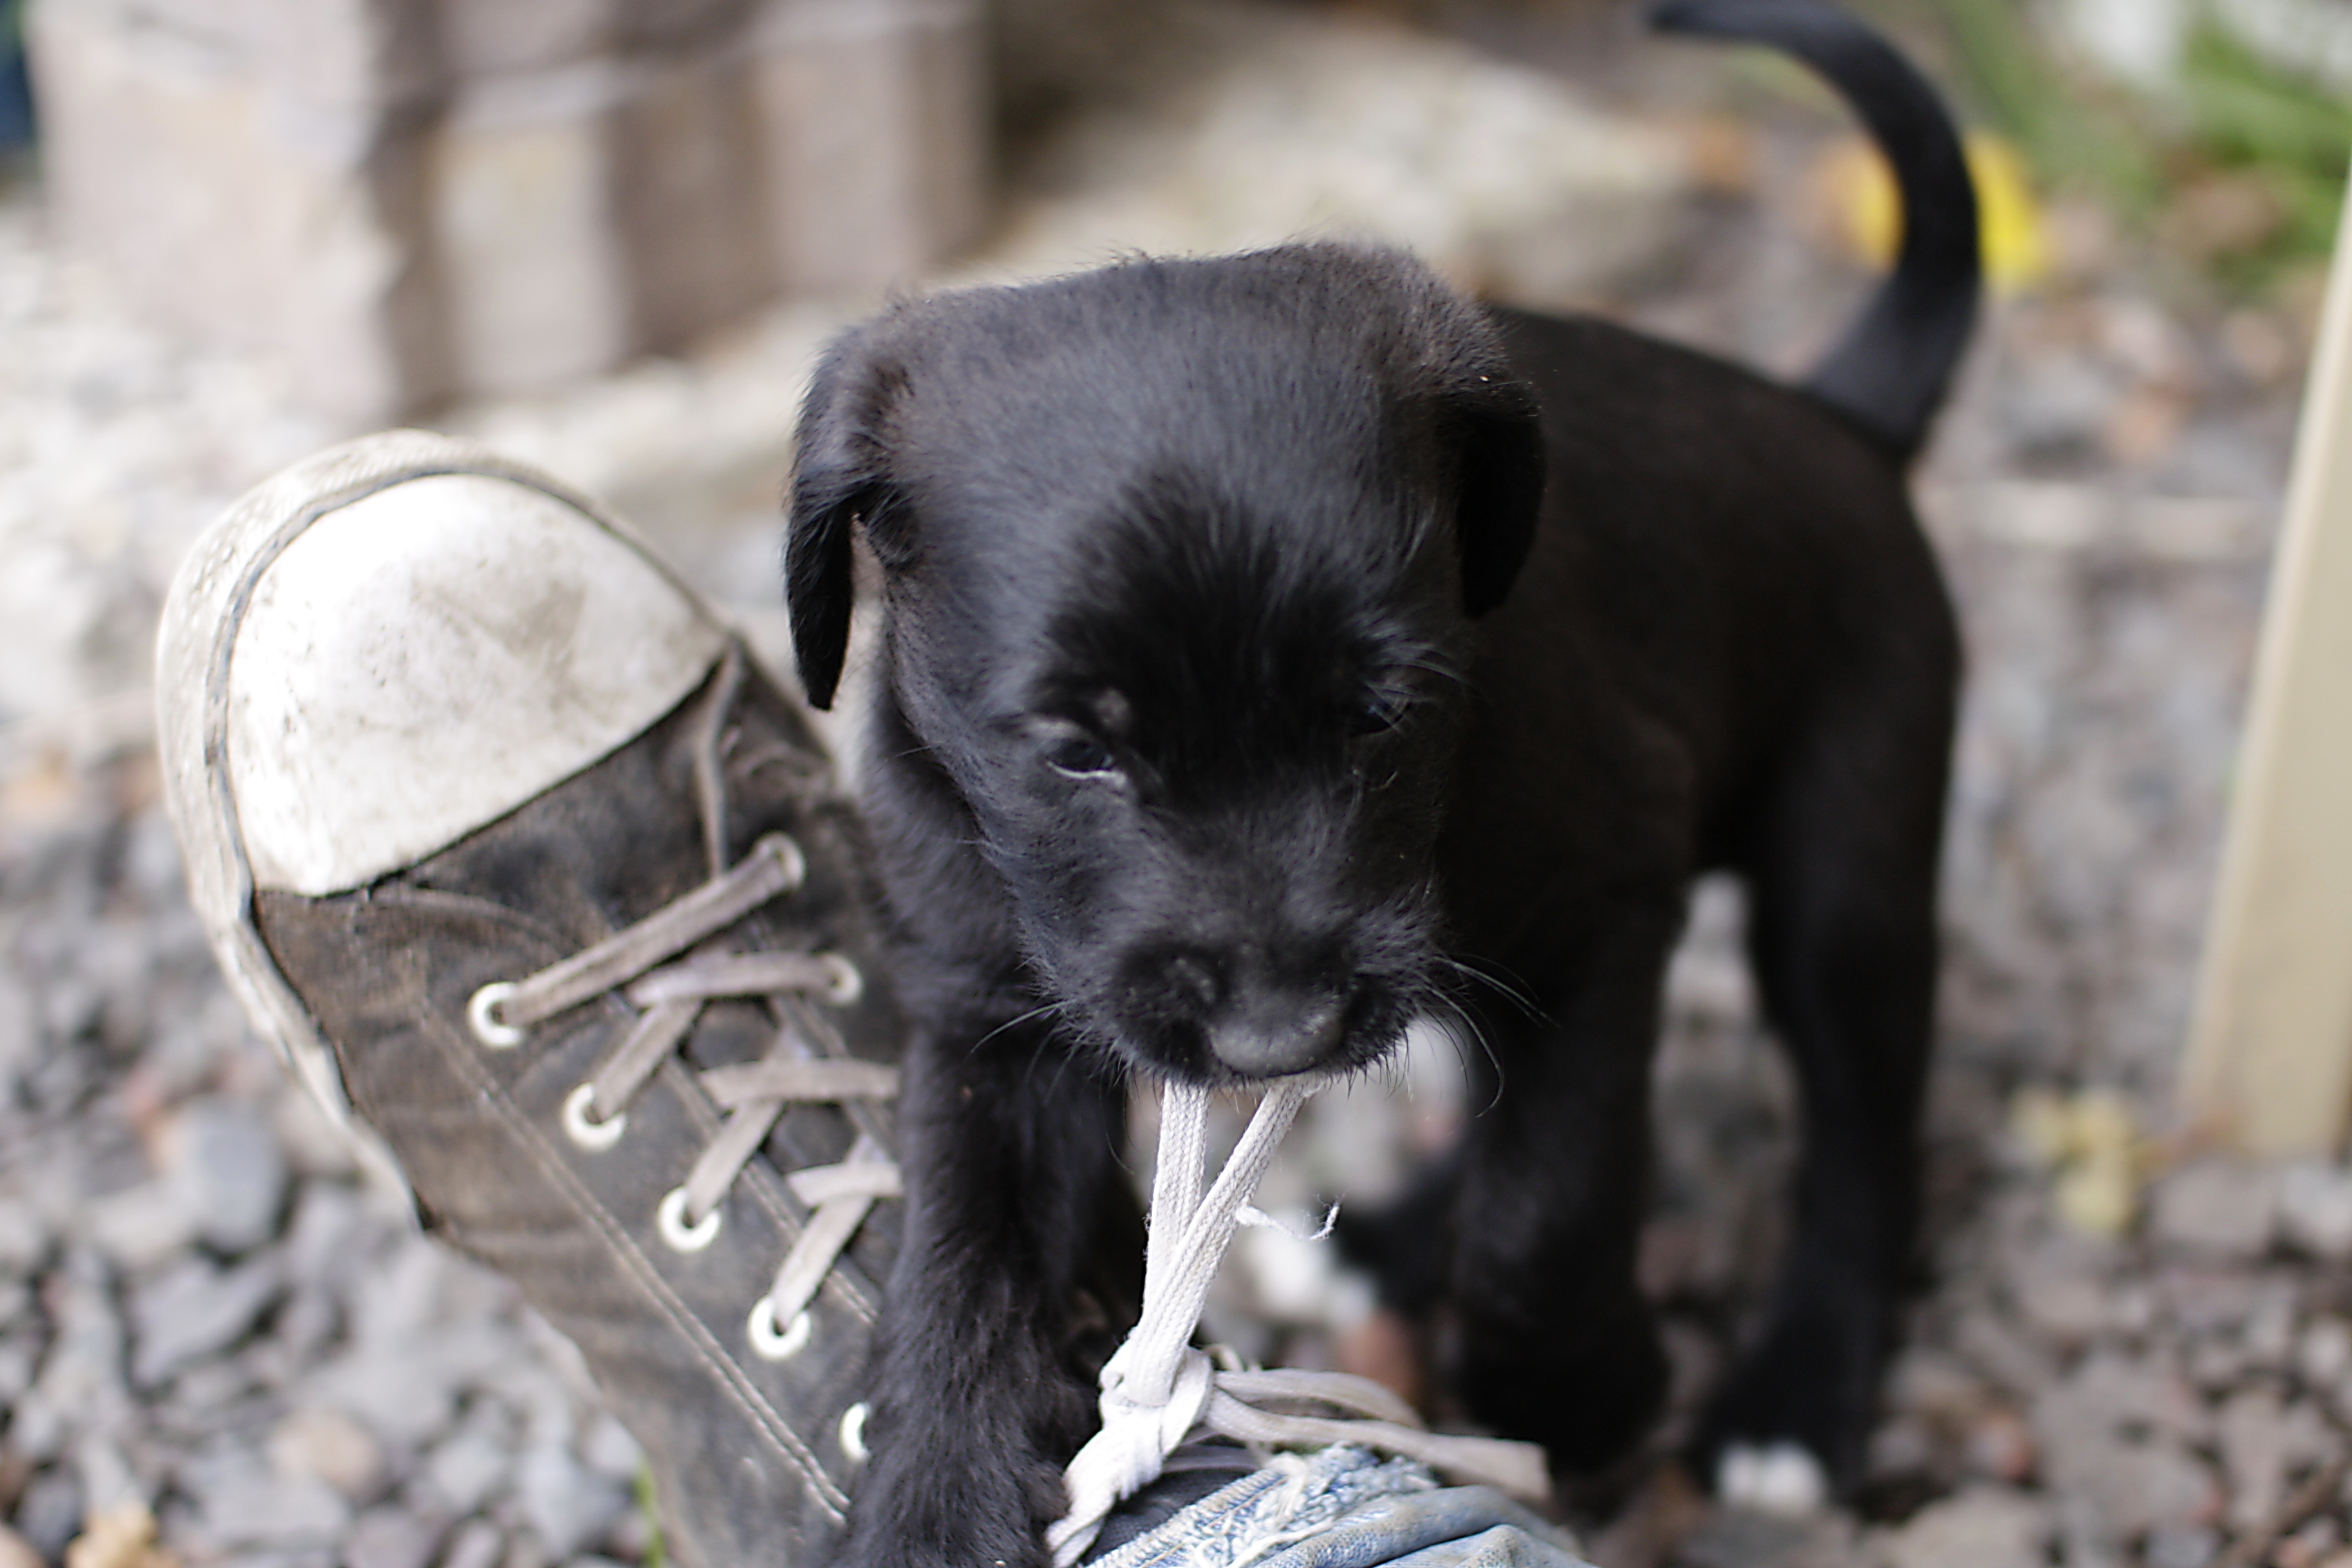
(1181, 561)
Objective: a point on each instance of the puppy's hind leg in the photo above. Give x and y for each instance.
(1841, 883)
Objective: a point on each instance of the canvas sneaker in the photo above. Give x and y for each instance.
(543, 888)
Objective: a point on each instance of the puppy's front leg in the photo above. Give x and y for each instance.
(1558, 1346)
(1008, 1148)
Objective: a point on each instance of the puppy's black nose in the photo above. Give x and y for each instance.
(1270, 1041)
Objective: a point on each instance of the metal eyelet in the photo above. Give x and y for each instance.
(684, 1237)
(852, 1431)
(774, 1344)
(846, 985)
(482, 1017)
(581, 1123)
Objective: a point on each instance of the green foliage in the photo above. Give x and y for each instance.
(2153, 159)
(2294, 134)
(2075, 132)
(657, 1554)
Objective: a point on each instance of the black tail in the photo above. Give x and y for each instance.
(1896, 361)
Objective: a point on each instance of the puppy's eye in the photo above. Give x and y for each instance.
(1380, 711)
(1080, 757)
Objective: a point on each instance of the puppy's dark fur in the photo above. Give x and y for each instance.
(1272, 646)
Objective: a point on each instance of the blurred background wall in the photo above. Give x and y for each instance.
(422, 199)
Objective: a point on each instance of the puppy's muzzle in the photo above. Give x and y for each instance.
(1261, 1049)
(1253, 1023)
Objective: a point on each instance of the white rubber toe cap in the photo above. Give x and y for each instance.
(425, 660)
(380, 651)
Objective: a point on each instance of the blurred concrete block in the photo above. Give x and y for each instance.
(532, 266)
(504, 37)
(228, 211)
(416, 200)
(867, 111)
(687, 180)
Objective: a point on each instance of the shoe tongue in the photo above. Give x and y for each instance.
(417, 664)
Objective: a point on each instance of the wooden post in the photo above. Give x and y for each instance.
(2270, 1051)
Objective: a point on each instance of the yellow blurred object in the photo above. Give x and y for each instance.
(2039, 1119)
(1868, 214)
(2098, 1196)
(2094, 1144)
(122, 1536)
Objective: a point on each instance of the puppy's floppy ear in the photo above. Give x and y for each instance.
(840, 477)
(1499, 430)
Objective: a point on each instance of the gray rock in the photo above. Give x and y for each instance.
(314, 1146)
(80, 1388)
(2323, 1353)
(2108, 1394)
(2059, 405)
(2216, 1208)
(2065, 1305)
(1932, 1384)
(2218, 1364)
(611, 1451)
(2004, 1355)
(195, 1310)
(390, 1538)
(108, 1480)
(2170, 1546)
(333, 1447)
(477, 1544)
(243, 1503)
(16, 1552)
(567, 1504)
(406, 1401)
(2314, 1203)
(20, 1033)
(24, 1239)
(2268, 1335)
(49, 1514)
(328, 1226)
(226, 1169)
(1983, 1527)
(18, 1360)
(2314, 1542)
(1998, 1445)
(2263, 1441)
(525, 1552)
(142, 1228)
(2208, 1300)
(469, 1467)
(543, 1395)
(1904, 1446)
(2132, 1310)
(2136, 1487)
(416, 1292)
(308, 1323)
(212, 1386)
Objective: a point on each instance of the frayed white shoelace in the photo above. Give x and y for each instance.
(1159, 1387)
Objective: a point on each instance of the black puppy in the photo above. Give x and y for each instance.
(1275, 645)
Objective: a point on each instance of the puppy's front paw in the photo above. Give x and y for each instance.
(1778, 1477)
(931, 1505)
(1786, 1432)
(1586, 1385)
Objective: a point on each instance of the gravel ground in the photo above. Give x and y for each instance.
(2127, 1349)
